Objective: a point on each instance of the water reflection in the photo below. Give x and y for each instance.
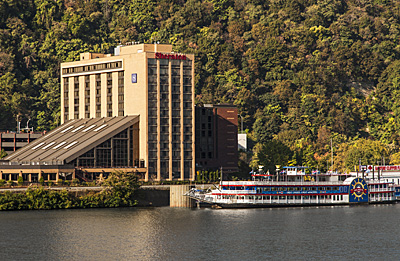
(171, 234)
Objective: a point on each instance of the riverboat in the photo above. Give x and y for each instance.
(293, 187)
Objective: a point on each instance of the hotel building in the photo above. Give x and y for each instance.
(131, 111)
(147, 80)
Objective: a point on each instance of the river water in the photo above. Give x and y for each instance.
(333, 233)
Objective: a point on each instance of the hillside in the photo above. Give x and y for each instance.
(302, 72)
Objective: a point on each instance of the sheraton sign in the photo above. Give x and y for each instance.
(170, 56)
(393, 167)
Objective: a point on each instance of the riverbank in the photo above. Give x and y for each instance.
(118, 191)
(44, 198)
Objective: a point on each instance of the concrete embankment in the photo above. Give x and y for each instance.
(165, 195)
(147, 196)
(153, 196)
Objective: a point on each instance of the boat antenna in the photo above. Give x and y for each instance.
(332, 155)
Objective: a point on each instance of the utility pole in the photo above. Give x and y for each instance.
(331, 155)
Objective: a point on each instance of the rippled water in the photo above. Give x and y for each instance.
(352, 233)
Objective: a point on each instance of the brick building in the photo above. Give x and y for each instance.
(217, 137)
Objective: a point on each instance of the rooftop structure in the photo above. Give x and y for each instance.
(98, 145)
(12, 141)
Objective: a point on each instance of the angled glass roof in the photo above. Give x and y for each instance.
(65, 143)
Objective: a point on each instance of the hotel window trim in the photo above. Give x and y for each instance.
(98, 95)
(121, 93)
(76, 97)
(87, 96)
(66, 101)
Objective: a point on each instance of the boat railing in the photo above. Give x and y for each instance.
(241, 191)
(389, 189)
(282, 183)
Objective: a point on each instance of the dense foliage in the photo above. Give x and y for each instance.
(302, 72)
(119, 192)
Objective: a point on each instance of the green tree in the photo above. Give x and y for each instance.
(273, 153)
(121, 187)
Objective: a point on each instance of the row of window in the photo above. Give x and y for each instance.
(333, 197)
(170, 76)
(280, 188)
(93, 67)
(381, 195)
(119, 151)
(98, 96)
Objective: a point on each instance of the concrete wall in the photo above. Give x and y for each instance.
(153, 197)
(177, 198)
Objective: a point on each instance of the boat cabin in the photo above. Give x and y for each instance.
(295, 170)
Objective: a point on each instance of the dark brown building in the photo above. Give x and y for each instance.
(217, 137)
(12, 141)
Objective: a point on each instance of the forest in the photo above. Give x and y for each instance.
(311, 78)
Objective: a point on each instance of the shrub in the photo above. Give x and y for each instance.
(20, 181)
(2, 182)
(75, 182)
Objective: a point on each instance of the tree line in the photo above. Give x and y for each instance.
(303, 73)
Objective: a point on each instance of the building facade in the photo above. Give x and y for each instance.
(80, 148)
(217, 137)
(147, 80)
(12, 141)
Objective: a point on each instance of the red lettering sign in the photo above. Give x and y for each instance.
(170, 56)
(394, 167)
